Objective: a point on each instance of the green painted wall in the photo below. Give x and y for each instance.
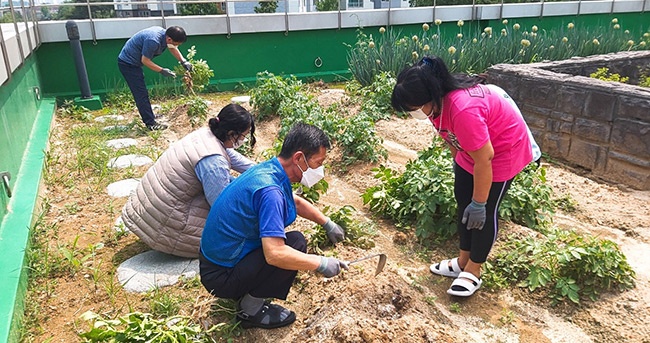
(24, 133)
(237, 59)
(18, 108)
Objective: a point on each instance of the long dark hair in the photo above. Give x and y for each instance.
(232, 121)
(429, 80)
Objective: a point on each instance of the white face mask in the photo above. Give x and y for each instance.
(418, 114)
(171, 46)
(239, 142)
(311, 176)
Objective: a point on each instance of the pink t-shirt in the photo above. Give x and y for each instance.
(473, 116)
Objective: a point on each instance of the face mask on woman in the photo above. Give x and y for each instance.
(239, 142)
(311, 176)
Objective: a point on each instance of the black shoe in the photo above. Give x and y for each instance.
(269, 317)
(157, 126)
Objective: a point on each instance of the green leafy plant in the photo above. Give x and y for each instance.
(270, 90)
(605, 75)
(197, 110)
(200, 75)
(142, 327)
(357, 233)
(529, 200)
(313, 193)
(163, 304)
(563, 263)
(70, 110)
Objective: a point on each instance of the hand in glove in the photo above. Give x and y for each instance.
(334, 231)
(329, 266)
(187, 65)
(167, 73)
(474, 215)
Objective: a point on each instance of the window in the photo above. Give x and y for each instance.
(355, 3)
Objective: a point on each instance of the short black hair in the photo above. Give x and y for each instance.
(306, 138)
(176, 33)
(233, 120)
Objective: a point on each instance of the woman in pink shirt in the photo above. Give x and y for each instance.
(490, 143)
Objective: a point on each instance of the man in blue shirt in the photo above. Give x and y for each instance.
(140, 50)
(245, 252)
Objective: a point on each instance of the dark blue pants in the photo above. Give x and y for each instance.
(134, 77)
(252, 275)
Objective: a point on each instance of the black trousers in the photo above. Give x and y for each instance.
(252, 275)
(478, 242)
(134, 77)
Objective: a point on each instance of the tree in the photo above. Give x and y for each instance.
(199, 9)
(266, 6)
(81, 12)
(327, 5)
(6, 17)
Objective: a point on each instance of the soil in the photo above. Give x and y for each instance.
(404, 303)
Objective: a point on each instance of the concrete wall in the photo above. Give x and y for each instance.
(601, 126)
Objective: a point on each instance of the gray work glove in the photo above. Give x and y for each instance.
(187, 65)
(329, 266)
(334, 231)
(167, 73)
(474, 215)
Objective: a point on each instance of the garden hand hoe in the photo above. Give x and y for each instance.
(380, 265)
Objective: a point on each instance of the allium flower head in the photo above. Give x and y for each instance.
(460, 23)
(615, 21)
(570, 26)
(525, 42)
(459, 36)
(627, 32)
(534, 28)
(382, 30)
(452, 50)
(488, 30)
(426, 47)
(504, 32)
(414, 38)
(595, 41)
(505, 22)
(474, 40)
(414, 54)
(437, 22)
(564, 39)
(371, 45)
(642, 44)
(516, 27)
(630, 42)
(616, 26)
(646, 35)
(425, 27)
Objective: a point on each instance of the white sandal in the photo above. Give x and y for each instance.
(465, 285)
(443, 268)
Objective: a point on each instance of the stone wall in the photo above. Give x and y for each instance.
(601, 126)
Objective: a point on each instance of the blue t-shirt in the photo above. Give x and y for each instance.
(259, 203)
(148, 42)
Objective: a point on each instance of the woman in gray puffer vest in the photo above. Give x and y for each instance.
(172, 201)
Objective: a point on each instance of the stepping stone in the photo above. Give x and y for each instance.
(153, 269)
(243, 99)
(122, 188)
(111, 117)
(121, 143)
(126, 161)
(120, 128)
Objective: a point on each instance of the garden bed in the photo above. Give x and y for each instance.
(603, 127)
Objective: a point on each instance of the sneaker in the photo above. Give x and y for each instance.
(269, 317)
(157, 126)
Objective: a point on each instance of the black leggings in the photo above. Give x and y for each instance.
(478, 242)
(252, 275)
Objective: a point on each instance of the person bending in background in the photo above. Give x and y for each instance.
(490, 143)
(140, 50)
(245, 252)
(168, 209)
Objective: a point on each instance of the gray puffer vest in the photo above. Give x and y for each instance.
(168, 209)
